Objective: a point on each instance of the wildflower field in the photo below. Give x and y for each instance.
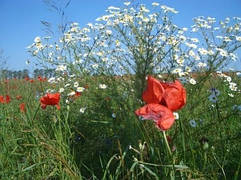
(133, 96)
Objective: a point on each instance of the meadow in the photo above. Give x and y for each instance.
(98, 135)
(132, 97)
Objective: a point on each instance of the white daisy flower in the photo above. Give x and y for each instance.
(127, 3)
(71, 93)
(52, 80)
(49, 91)
(37, 40)
(102, 86)
(76, 84)
(176, 115)
(229, 79)
(155, 4)
(238, 38)
(82, 110)
(80, 89)
(201, 65)
(238, 74)
(61, 90)
(233, 86)
(192, 81)
(61, 68)
(159, 76)
(67, 85)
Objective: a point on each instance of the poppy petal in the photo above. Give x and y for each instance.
(50, 99)
(174, 96)
(162, 116)
(153, 92)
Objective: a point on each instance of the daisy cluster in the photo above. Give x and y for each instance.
(128, 40)
(231, 85)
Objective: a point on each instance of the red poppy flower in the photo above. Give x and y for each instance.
(171, 95)
(162, 116)
(77, 94)
(50, 99)
(174, 96)
(27, 78)
(22, 107)
(153, 92)
(162, 99)
(2, 99)
(41, 79)
(6, 100)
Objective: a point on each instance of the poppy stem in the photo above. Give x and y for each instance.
(172, 173)
(168, 147)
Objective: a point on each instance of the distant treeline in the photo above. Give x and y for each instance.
(20, 74)
(48, 73)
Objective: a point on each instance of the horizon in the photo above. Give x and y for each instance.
(22, 21)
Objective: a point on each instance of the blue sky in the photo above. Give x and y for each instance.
(20, 19)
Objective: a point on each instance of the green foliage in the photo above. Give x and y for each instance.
(98, 144)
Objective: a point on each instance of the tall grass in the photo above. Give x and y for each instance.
(67, 144)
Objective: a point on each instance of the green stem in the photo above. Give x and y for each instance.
(172, 175)
(168, 147)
